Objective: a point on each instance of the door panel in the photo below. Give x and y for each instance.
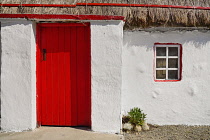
(63, 80)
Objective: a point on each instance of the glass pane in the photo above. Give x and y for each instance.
(160, 74)
(173, 74)
(161, 51)
(173, 62)
(161, 63)
(173, 51)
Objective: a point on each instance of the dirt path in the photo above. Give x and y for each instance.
(172, 132)
(58, 133)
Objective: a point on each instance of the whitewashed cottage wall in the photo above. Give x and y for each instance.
(18, 76)
(183, 102)
(121, 76)
(18, 83)
(106, 65)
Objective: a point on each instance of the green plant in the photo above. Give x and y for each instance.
(137, 117)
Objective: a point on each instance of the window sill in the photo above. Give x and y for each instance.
(167, 80)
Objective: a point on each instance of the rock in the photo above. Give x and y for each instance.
(145, 126)
(121, 132)
(127, 126)
(138, 128)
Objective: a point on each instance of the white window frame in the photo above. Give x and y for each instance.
(167, 57)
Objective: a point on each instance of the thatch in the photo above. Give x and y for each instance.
(135, 16)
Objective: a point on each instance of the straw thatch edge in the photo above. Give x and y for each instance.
(136, 17)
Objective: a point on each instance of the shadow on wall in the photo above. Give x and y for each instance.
(139, 39)
(0, 75)
(97, 23)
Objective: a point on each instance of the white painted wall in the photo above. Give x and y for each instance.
(18, 82)
(106, 64)
(18, 88)
(114, 71)
(184, 102)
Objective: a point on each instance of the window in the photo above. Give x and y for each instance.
(167, 62)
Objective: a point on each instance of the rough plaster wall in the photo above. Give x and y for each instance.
(17, 75)
(0, 74)
(183, 102)
(106, 51)
(33, 75)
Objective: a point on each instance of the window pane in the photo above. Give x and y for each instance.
(173, 74)
(173, 62)
(160, 74)
(161, 51)
(160, 63)
(173, 51)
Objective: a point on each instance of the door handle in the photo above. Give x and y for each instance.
(44, 51)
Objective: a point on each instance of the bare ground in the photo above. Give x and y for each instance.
(58, 133)
(172, 132)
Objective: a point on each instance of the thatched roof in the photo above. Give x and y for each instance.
(135, 16)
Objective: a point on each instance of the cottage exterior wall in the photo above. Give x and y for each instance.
(18, 92)
(18, 75)
(122, 76)
(106, 65)
(166, 103)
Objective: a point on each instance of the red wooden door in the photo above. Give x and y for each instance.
(63, 74)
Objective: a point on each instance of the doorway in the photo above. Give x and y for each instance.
(63, 74)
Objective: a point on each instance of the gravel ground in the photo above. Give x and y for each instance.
(172, 132)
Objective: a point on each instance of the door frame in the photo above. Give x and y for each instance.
(38, 65)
